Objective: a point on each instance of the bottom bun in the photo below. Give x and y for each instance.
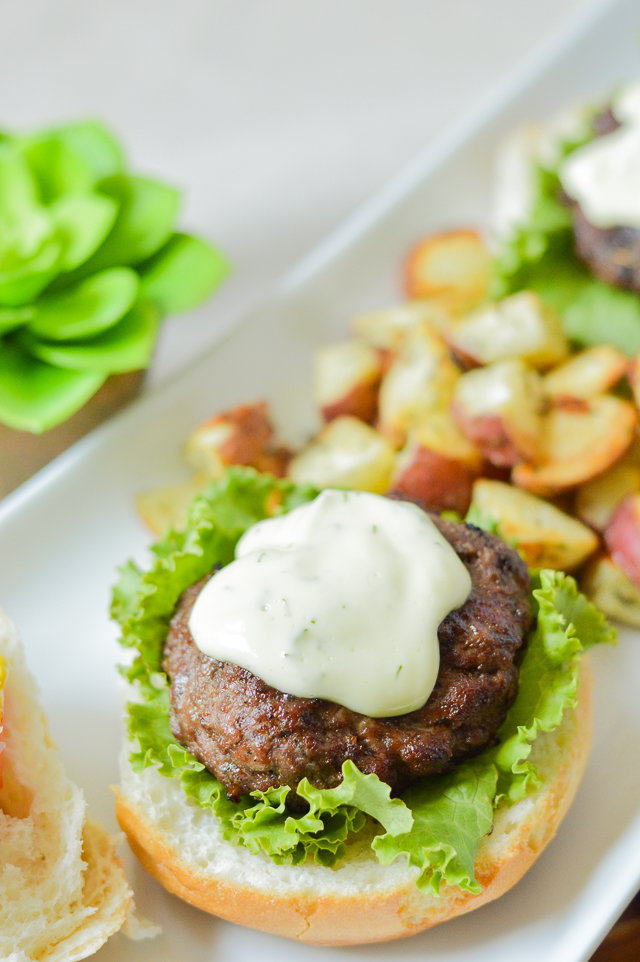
(62, 889)
(361, 901)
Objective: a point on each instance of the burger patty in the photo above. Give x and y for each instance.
(252, 736)
(612, 253)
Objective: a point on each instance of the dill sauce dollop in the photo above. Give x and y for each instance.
(603, 176)
(339, 599)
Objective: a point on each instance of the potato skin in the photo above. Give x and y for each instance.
(240, 435)
(360, 402)
(581, 438)
(490, 433)
(622, 537)
(438, 482)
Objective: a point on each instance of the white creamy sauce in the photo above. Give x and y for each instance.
(626, 104)
(339, 599)
(603, 176)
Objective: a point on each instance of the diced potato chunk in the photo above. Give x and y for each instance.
(346, 454)
(166, 507)
(622, 537)
(518, 326)
(238, 436)
(421, 379)
(439, 465)
(588, 373)
(634, 378)
(346, 380)
(498, 408)
(453, 266)
(579, 441)
(387, 328)
(439, 432)
(613, 593)
(597, 500)
(546, 536)
(274, 461)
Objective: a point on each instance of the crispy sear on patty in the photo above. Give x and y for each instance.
(252, 736)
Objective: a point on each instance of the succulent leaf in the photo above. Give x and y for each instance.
(182, 273)
(87, 309)
(127, 346)
(35, 396)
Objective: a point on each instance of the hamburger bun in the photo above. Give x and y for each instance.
(360, 901)
(62, 888)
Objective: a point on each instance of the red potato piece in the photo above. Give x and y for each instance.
(438, 482)
(346, 454)
(579, 441)
(438, 466)
(275, 461)
(622, 537)
(388, 327)
(420, 380)
(518, 326)
(166, 507)
(347, 377)
(591, 372)
(238, 436)
(545, 536)
(453, 267)
(612, 591)
(597, 500)
(498, 408)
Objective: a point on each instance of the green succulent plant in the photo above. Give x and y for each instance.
(90, 263)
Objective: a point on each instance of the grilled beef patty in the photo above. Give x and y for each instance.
(612, 253)
(252, 736)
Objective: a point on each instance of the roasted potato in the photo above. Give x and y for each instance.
(274, 461)
(633, 374)
(438, 465)
(546, 536)
(498, 408)
(622, 537)
(579, 441)
(420, 380)
(238, 436)
(346, 454)
(610, 589)
(588, 373)
(166, 507)
(453, 267)
(597, 500)
(518, 326)
(387, 328)
(346, 380)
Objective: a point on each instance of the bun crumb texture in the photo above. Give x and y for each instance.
(62, 888)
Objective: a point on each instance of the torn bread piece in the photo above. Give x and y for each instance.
(63, 891)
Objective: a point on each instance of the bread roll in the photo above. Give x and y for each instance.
(62, 889)
(179, 843)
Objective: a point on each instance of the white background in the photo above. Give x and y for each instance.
(277, 117)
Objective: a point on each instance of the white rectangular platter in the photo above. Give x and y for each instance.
(63, 534)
